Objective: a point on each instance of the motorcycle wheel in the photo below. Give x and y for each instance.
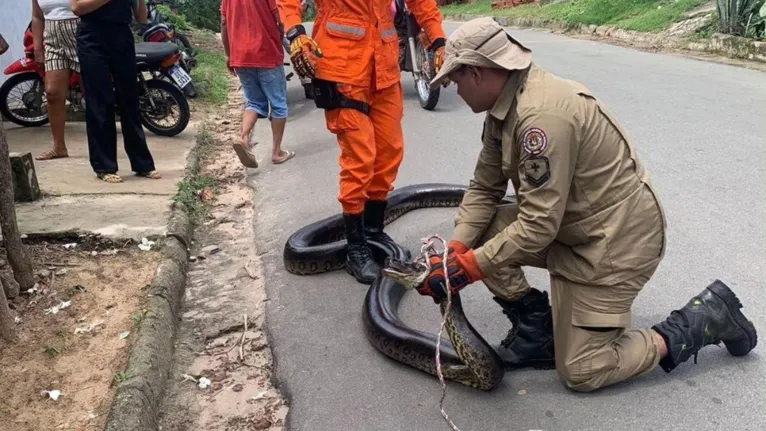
(165, 96)
(427, 97)
(185, 44)
(14, 116)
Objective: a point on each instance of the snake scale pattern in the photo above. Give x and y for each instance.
(466, 357)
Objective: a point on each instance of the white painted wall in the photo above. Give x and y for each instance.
(14, 18)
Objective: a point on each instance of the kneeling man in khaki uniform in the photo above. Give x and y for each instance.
(586, 211)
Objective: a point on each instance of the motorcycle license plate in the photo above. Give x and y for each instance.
(180, 76)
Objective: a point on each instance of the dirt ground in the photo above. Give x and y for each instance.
(80, 348)
(222, 337)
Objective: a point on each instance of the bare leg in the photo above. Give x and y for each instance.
(56, 86)
(663, 348)
(248, 123)
(277, 131)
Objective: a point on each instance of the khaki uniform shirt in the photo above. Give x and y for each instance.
(585, 199)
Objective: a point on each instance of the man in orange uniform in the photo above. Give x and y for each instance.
(353, 60)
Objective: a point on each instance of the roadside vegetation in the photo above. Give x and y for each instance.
(740, 17)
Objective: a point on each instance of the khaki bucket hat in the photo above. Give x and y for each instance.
(482, 42)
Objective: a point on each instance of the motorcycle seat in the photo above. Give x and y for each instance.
(152, 53)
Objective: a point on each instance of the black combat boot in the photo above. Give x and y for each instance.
(529, 343)
(359, 261)
(374, 214)
(711, 317)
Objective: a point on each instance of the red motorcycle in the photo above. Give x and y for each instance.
(163, 107)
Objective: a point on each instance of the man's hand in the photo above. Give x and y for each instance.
(40, 57)
(303, 51)
(462, 269)
(437, 47)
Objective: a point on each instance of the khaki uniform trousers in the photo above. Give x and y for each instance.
(593, 346)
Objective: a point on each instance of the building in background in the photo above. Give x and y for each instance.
(14, 20)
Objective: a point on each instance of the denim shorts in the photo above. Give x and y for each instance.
(264, 88)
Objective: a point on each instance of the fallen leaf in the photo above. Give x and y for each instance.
(260, 396)
(57, 308)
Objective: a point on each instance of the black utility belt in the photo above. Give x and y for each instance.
(327, 96)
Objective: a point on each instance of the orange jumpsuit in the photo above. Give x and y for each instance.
(361, 53)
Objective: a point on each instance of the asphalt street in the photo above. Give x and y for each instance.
(697, 126)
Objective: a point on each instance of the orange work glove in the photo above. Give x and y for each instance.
(437, 47)
(462, 267)
(304, 51)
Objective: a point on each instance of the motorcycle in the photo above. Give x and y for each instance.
(157, 30)
(414, 57)
(158, 99)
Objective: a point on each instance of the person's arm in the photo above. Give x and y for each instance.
(38, 26)
(429, 18)
(225, 34)
(485, 191)
(548, 146)
(277, 19)
(290, 13)
(82, 7)
(139, 11)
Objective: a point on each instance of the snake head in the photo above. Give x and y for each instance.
(408, 274)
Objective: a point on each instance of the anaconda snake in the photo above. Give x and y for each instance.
(321, 247)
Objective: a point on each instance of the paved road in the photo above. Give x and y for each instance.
(697, 127)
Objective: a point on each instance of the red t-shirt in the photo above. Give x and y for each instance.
(254, 38)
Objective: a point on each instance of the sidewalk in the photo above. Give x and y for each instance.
(75, 200)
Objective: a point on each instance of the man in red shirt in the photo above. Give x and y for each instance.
(252, 40)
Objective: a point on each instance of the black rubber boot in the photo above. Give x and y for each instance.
(529, 343)
(711, 317)
(374, 212)
(359, 261)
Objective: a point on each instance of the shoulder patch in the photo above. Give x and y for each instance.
(537, 170)
(534, 141)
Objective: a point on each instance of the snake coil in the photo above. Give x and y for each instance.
(321, 247)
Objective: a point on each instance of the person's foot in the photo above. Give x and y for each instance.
(152, 175)
(529, 343)
(109, 178)
(246, 157)
(712, 317)
(52, 154)
(282, 157)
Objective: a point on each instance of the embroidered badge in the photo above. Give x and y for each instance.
(537, 170)
(534, 141)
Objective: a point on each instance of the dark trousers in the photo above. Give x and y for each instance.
(109, 75)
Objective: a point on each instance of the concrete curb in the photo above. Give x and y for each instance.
(730, 46)
(137, 401)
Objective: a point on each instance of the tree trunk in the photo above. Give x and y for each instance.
(17, 256)
(7, 325)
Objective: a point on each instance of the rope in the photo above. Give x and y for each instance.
(428, 246)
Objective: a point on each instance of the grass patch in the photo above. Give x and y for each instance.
(188, 193)
(211, 77)
(195, 192)
(638, 15)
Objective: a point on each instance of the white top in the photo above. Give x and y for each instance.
(56, 9)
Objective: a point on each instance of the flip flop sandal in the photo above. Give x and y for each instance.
(290, 155)
(109, 178)
(153, 175)
(50, 155)
(245, 156)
